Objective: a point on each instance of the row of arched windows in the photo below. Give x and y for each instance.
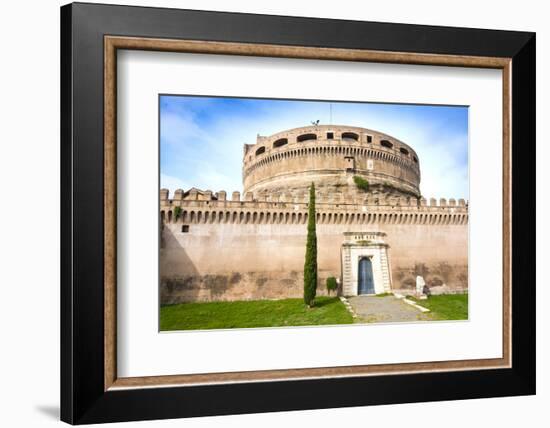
(333, 150)
(330, 135)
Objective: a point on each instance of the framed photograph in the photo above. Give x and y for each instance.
(266, 213)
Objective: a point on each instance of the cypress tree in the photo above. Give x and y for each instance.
(310, 265)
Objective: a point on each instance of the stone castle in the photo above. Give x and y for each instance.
(374, 238)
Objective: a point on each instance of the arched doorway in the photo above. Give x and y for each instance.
(365, 283)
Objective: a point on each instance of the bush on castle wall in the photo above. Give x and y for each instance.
(177, 212)
(361, 183)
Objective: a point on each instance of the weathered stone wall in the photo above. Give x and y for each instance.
(250, 250)
(220, 247)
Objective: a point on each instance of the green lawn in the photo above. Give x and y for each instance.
(253, 313)
(446, 306)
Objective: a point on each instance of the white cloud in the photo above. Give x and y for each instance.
(210, 178)
(212, 158)
(178, 127)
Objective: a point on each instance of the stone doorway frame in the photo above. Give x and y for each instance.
(365, 244)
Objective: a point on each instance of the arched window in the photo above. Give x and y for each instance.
(260, 151)
(404, 151)
(280, 142)
(350, 136)
(306, 137)
(415, 160)
(386, 143)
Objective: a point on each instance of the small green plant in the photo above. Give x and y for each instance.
(331, 284)
(177, 212)
(361, 183)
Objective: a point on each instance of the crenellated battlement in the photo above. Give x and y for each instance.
(320, 198)
(197, 206)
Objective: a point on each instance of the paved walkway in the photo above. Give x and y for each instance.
(385, 309)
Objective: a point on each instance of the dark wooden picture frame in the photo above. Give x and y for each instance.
(90, 37)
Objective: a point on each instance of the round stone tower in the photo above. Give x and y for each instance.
(331, 156)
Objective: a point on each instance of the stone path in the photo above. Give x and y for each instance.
(373, 309)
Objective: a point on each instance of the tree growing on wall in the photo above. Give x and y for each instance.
(310, 265)
(177, 212)
(361, 183)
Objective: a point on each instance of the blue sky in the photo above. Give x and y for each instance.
(201, 138)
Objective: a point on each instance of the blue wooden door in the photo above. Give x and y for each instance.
(366, 282)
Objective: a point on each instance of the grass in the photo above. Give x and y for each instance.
(253, 313)
(383, 294)
(446, 306)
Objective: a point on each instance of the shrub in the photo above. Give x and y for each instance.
(177, 212)
(331, 284)
(361, 183)
(310, 265)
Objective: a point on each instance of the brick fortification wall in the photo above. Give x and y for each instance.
(215, 247)
(220, 249)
